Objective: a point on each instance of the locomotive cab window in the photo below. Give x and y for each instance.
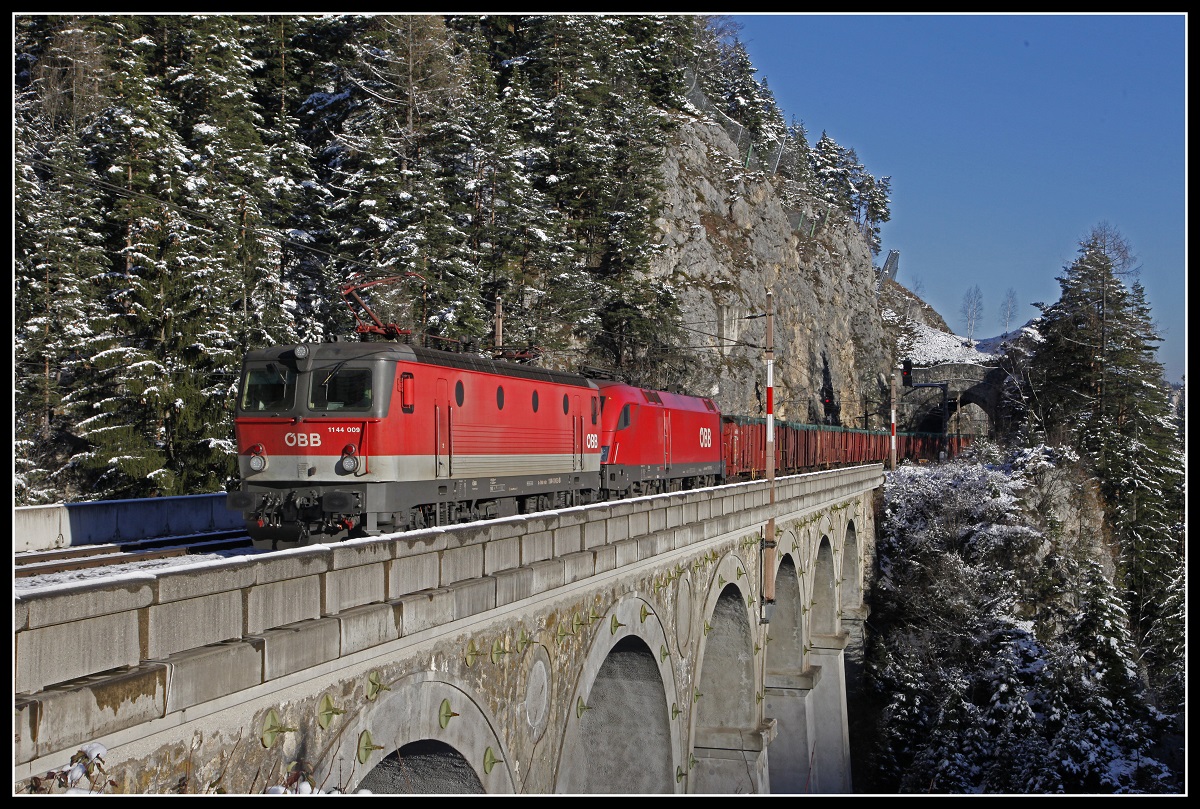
(340, 388)
(626, 417)
(269, 387)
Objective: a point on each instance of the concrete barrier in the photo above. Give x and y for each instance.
(39, 528)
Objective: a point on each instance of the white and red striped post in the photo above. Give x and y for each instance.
(893, 404)
(768, 594)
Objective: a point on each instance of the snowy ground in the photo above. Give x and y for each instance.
(926, 346)
(45, 581)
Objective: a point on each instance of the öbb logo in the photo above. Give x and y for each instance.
(705, 436)
(302, 439)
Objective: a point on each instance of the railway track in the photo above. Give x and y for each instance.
(82, 557)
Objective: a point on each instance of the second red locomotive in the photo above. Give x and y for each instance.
(654, 441)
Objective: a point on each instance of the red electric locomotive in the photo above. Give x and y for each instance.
(655, 441)
(358, 438)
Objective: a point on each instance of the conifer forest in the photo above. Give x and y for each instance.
(187, 188)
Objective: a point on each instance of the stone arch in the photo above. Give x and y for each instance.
(618, 736)
(785, 649)
(974, 390)
(971, 416)
(851, 596)
(823, 603)
(725, 704)
(422, 767)
(420, 719)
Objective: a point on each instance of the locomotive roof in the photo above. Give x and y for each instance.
(684, 401)
(340, 351)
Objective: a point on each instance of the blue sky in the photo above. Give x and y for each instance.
(1007, 138)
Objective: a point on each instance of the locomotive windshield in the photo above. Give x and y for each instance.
(269, 386)
(626, 417)
(340, 388)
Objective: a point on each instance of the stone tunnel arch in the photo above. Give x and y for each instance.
(423, 767)
(973, 400)
(962, 413)
(621, 742)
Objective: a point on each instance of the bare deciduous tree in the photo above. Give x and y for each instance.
(70, 76)
(972, 308)
(1008, 309)
(917, 288)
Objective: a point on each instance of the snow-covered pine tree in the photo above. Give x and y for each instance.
(551, 292)
(1098, 727)
(222, 263)
(58, 249)
(125, 402)
(57, 244)
(1098, 386)
(296, 300)
(514, 237)
(832, 171)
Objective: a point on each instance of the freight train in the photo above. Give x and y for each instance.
(344, 439)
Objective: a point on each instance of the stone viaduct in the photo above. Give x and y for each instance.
(613, 648)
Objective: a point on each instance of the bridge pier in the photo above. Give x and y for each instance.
(831, 757)
(788, 699)
(732, 761)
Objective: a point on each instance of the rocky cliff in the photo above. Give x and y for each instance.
(726, 239)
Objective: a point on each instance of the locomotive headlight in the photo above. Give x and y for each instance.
(258, 463)
(349, 461)
(301, 352)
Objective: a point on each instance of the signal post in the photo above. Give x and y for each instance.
(768, 593)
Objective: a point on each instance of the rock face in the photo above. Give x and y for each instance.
(726, 240)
